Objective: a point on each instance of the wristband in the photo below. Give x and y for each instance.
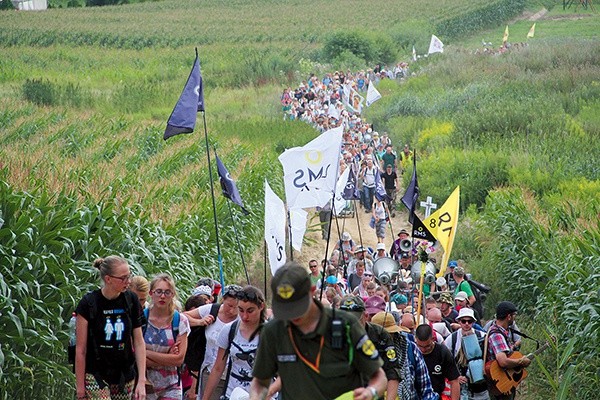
(373, 391)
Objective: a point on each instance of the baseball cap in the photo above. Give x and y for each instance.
(291, 291)
(459, 271)
(386, 320)
(504, 308)
(452, 264)
(352, 303)
(374, 304)
(462, 296)
(202, 289)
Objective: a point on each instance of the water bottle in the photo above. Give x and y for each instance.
(72, 329)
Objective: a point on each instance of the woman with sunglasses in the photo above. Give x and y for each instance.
(238, 342)
(108, 330)
(165, 343)
(228, 312)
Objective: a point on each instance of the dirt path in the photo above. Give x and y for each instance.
(315, 248)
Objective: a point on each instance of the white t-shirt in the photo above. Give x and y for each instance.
(242, 353)
(212, 333)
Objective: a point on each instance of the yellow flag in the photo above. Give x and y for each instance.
(442, 224)
(505, 38)
(531, 31)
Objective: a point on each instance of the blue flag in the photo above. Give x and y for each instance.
(380, 192)
(183, 117)
(351, 190)
(228, 185)
(412, 192)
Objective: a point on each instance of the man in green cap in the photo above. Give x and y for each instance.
(318, 353)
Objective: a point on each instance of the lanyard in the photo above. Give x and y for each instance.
(314, 366)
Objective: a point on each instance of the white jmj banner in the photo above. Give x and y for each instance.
(309, 172)
(275, 222)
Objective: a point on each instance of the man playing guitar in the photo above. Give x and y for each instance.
(500, 347)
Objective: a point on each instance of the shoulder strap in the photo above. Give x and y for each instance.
(175, 324)
(145, 325)
(454, 340)
(214, 310)
(485, 345)
(232, 331)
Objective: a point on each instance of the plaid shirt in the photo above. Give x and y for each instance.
(418, 385)
(498, 341)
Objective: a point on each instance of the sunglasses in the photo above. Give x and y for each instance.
(231, 290)
(466, 321)
(160, 292)
(245, 296)
(312, 266)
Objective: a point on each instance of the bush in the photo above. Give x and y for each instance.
(371, 48)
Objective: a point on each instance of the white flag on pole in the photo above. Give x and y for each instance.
(339, 202)
(309, 172)
(275, 222)
(436, 45)
(298, 218)
(372, 94)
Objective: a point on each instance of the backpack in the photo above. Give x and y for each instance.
(478, 305)
(92, 304)
(196, 348)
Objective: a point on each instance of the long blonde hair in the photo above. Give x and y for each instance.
(167, 278)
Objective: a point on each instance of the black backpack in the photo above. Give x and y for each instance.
(194, 356)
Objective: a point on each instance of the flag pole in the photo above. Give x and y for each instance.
(237, 239)
(265, 266)
(214, 205)
(358, 224)
(327, 244)
(290, 235)
(337, 223)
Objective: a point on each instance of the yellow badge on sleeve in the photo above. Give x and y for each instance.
(391, 354)
(368, 348)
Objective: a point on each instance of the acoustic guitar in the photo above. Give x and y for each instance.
(506, 379)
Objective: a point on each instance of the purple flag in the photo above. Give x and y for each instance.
(351, 190)
(183, 117)
(228, 185)
(411, 196)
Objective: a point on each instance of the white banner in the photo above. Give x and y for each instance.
(275, 222)
(339, 202)
(352, 99)
(298, 218)
(309, 172)
(436, 45)
(372, 94)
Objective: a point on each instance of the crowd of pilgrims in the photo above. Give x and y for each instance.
(210, 353)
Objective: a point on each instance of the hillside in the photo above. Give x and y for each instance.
(84, 171)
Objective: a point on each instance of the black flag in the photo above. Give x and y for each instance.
(411, 196)
(228, 185)
(420, 231)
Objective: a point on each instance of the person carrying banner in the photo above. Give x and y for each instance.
(319, 353)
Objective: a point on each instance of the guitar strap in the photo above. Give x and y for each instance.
(537, 342)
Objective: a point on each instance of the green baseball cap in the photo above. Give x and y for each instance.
(291, 287)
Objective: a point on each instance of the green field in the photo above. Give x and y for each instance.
(85, 95)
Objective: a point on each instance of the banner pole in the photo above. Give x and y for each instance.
(237, 239)
(214, 205)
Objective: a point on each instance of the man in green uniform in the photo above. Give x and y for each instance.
(318, 353)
